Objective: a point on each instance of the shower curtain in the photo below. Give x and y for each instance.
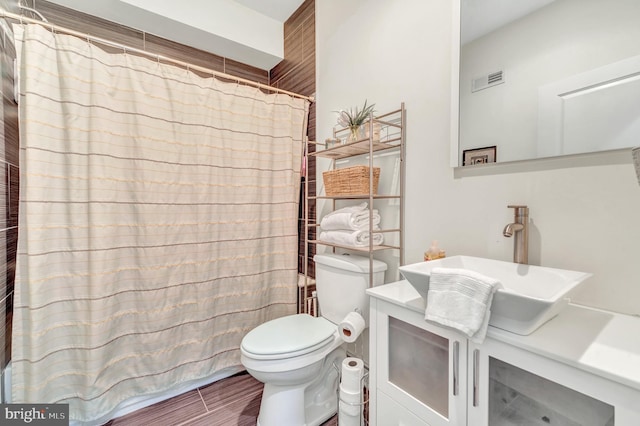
(157, 223)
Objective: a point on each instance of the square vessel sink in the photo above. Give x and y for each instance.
(529, 297)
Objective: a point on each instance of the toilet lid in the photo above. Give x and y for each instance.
(293, 334)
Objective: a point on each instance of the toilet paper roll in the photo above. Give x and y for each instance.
(352, 372)
(349, 397)
(348, 414)
(351, 327)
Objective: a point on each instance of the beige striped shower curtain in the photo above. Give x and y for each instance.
(158, 222)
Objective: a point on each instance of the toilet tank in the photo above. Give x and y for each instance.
(341, 281)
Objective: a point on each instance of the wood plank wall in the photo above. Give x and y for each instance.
(297, 73)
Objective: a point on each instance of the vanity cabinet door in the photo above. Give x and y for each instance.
(512, 387)
(419, 366)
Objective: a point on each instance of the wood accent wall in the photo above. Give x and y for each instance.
(297, 73)
(9, 191)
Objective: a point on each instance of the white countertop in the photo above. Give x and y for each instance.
(604, 343)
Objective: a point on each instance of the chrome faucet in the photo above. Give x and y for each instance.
(519, 227)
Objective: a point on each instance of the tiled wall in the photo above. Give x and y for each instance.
(297, 73)
(9, 141)
(9, 180)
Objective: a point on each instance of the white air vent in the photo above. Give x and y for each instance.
(486, 81)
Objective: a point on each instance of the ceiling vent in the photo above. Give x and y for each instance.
(486, 81)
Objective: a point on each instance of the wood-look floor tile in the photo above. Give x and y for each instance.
(165, 413)
(243, 411)
(226, 391)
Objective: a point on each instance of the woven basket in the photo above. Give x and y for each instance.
(350, 181)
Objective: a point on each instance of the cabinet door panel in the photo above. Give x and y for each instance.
(420, 366)
(516, 387)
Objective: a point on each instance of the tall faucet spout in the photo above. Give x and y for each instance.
(511, 228)
(519, 227)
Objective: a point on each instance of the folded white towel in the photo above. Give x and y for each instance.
(461, 299)
(358, 238)
(352, 217)
(354, 221)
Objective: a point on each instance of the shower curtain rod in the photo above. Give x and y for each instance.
(188, 66)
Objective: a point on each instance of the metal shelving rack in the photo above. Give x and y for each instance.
(394, 125)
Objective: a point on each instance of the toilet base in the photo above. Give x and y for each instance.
(309, 404)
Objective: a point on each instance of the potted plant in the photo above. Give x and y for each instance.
(355, 118)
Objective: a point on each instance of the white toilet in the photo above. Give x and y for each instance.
(298, 357)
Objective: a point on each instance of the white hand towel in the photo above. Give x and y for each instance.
(351, 238)
(355, 220)
(461, 299)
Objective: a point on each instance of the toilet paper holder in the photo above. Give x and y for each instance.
(364, 396)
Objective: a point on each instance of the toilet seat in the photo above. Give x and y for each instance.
(288, 337)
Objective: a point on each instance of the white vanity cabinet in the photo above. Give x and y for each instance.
(568, 373)
(419, 370)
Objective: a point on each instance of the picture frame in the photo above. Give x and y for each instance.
(475, 156)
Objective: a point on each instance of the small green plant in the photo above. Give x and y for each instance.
(355, 117)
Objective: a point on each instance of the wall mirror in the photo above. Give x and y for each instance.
(544, 78)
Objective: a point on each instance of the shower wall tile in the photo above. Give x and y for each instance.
(4, 290)
(312, 123)
(13, 195)
(10, 121)
(5, 333)
(4, 206)
(91, 25)
(8, 79)
(297, 73)
(246, 71)
(306, 10)
(8, 158)
(300, 80)
(11, 247)
(309, 38)
(6, 305)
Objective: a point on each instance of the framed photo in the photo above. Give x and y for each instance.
(479, 156)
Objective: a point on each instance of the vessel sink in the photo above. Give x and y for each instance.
(529, 297)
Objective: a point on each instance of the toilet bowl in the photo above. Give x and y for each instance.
(298, 357)
(299, 368)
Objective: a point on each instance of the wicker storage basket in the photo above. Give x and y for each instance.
(350, 181)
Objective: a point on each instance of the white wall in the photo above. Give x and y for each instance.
(584, 209)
